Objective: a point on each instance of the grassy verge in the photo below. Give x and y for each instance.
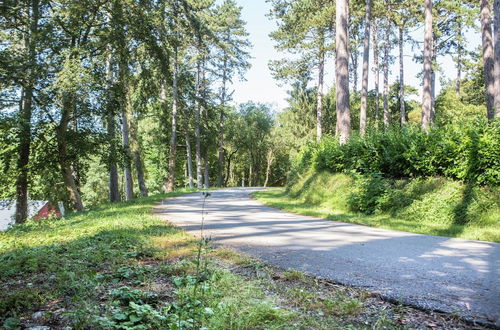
(434, 206)
(120, 267)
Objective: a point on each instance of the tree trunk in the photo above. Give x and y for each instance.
(460, 48)
(129, 186)
(24, 135)
(136, 149)
(319, 93)
(488, 58)
(270, 158)
(386, 74)
(62, 148)
(197, 107)
(402, 110)
(427, 93)
(207, 174)
(169, 185)
(497, 57)
(114, 194)
(220, 160)
(366, 59)
(377, 73)
(433, 78)
(188, 156)
(342, 67)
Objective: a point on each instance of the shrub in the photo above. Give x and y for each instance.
(468, 152)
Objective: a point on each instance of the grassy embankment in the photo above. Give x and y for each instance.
(434, 206)
(120, 267)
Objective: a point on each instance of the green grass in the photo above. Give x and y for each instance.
(121, 267)
(434, 206)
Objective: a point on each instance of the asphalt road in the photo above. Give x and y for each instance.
(431, 272)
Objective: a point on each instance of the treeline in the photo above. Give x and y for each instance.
(110, 100)
(385, 130)
(365, 33)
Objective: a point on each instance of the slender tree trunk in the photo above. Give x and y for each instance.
(354, 65)
(497, 57)
(62, 148)
(319, 94)
(386, 72)
(402, 109)
(488, 58)
(114, 194)
(366, 59)
(460, 49)
(136, 149)
(129, 185)
(377, 73)
(427, 93)
(24, 135)
(169, 185)
(220, 160)
(207, 173)
(342, 74)
(189, 159)
(270, 158)
(197, 135)
(433, 78)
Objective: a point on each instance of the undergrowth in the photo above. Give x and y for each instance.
(432, 205)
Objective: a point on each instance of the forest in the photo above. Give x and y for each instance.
(112, 100)
(124, 113)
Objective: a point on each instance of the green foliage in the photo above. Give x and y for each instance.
(464, 152)
(432, 205)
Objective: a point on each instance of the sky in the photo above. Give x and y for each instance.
(259, 85)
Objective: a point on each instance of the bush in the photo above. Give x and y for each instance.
(468, 152)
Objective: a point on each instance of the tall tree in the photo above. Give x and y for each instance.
(342, 74)
(385, 66)
(230, 58)
(366, 59)
(427, 93)
(497, 57)
(488, 58)
(376, 72)
(24, 135)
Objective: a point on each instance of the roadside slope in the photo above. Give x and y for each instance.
(431, 272)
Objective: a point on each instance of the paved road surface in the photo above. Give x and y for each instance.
(447, 274)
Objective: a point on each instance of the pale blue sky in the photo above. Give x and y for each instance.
(261, 87)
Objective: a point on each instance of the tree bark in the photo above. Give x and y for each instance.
(488, 58)
(136, 149)
(24, 135)
(114, 194)
(197, 107)
(129, 186)
(342, 67)
(426, 93)
(207, 170)
(497, 57)
(387, 34)
(220, 160)
(402, 110)
(169, 185)
(270, 158)
(188, 156)
(319, 93)
(366, 59)
(460, 48)
(377, 73)
(67, 111)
